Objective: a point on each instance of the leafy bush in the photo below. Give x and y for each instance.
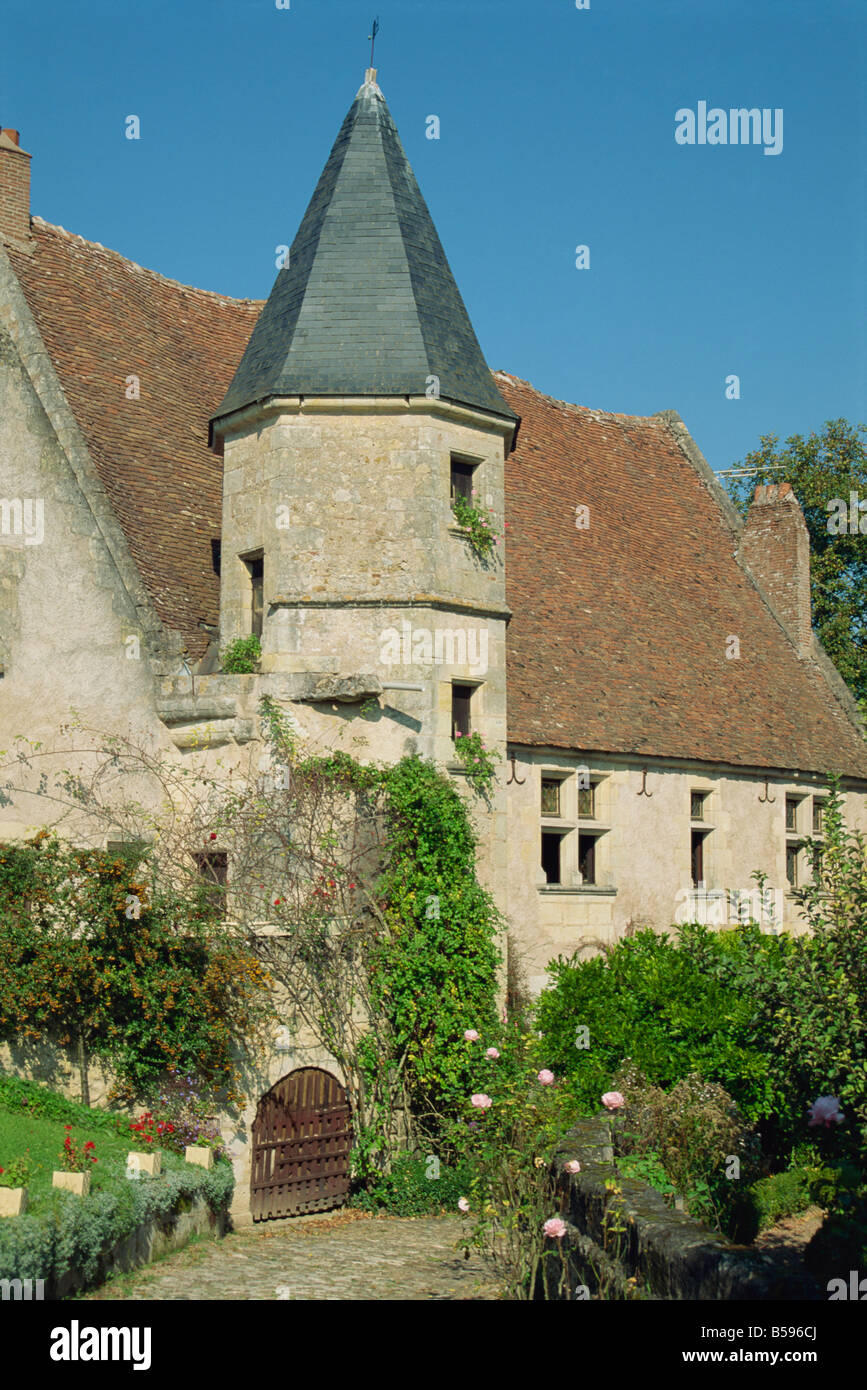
(242, 657)
(414, 1187)
(31, 1098)
(816, 1010)
(73, 1232)
(694, 1130)
(672, 1008)
(784, 1194)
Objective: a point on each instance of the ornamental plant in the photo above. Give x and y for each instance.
(74, 1159)
(147, 1130)
(511, 1199)
(182, 1101)
(478, 524)
(242, 657)
(16, 1173)
(477, 761)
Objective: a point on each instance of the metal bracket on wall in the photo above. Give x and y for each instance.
(519, 781)
(643, 789)
(767, 796)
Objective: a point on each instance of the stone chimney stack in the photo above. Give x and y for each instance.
(14, 190)
(775, 546)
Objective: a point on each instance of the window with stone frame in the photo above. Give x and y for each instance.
(587, 866)
(551, 796)
(552, 848)
(462, 698)
(461, 480)
(213, 866)
(698, 857)
(256, 569)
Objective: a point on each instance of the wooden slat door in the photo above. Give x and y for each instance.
(302, 1136)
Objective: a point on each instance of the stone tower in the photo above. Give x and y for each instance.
(361, 404)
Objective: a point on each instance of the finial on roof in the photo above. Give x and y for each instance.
(372, 36)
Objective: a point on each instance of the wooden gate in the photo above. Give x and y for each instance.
(302, 1136)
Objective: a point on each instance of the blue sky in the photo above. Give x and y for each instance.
(556, 129)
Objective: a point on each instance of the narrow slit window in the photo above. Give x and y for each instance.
(256, 568)
(791, 813)
(551, 846)
(462, 480)
(697, 801)
(461, 700)
(818, 816)
(587, 802)
(697, 857)
(214, 873)
(792, 852)
(587, 858)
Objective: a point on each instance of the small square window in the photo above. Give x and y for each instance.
(818, 816)
(551, 844)
(550, 796)
(462, 480)
(791, 813)
(587, 802)
(461, 700)
(697, 803)
(587, 858)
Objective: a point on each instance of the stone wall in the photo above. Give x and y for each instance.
(657, 1252)
(643, 855)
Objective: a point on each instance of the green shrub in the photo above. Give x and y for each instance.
(33, 1099)
(414, 1187)
(671, 1008)
(242, 657)
(783, 1194)
(693, 1132)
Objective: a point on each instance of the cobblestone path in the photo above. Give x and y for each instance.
(348, 1256)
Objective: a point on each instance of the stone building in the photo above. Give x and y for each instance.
(179, 469)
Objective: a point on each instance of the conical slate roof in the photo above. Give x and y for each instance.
(366, 304)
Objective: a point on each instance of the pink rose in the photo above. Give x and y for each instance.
(546, 1077)
(612, 1100)
(471, 1035)
(825, 1111)
(463, 1204)
(573, 1166)
(555, 1226)
(492, 1053)
(481, 1101)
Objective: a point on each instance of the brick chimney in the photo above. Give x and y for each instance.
(14, 190)
(775, 546)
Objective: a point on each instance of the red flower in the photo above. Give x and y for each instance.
(89, 1145)
(213, 835)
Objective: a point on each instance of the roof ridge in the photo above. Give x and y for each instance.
(55, 229)
(590, 410)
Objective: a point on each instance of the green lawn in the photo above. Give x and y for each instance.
(41, 1140)
(32, 1120)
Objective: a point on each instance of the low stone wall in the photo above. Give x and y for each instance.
(658, 1252)
(148, 1242)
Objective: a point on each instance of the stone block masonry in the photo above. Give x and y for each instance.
(667, 1254)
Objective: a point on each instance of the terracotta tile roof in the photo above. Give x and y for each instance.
(102, 319)
(618, 639)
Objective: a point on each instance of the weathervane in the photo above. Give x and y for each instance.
(372, 37)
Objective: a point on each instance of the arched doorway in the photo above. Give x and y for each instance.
(302, 1136)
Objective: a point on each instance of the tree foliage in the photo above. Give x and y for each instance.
(822, 467)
